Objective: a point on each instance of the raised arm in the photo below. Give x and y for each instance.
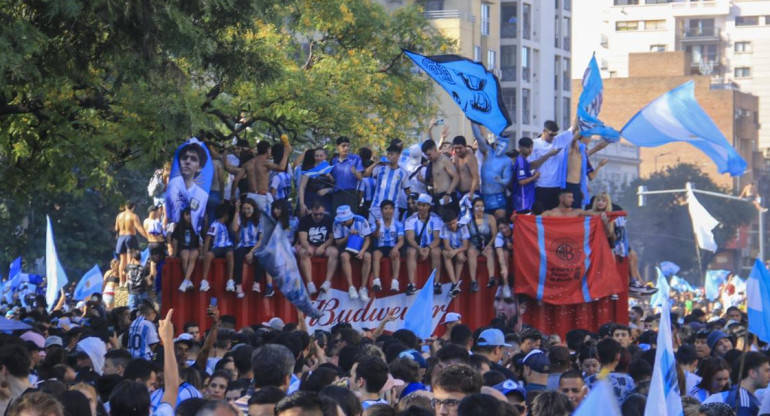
(483, 145)
(598, 147)
(208, 343)
(170, 367)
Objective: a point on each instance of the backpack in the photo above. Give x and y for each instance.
(156, 186)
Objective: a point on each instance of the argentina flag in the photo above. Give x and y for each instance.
(676, 117)
(714, 278)
(590, 104)
(758, 301)
(321, 169)
(54, 272)
(90, 283)
(663, 398)
(475, 90)
(418, 318)
(275, 255)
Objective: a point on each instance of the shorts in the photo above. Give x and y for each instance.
(263, 200)
(384, 250)
(548, 197)
(221, 252)
(125, 243)
(108, 298)
(493, 202)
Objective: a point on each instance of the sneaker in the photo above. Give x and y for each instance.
(269, 291)
(205, 285)
(410, 289)
(507, 292)
(256, 287)
(394, 285)
(491, 282)
(352, 293)
(230, 285)
(326, 286)
(363, 293)
(638, 288)
(437, 289)
(376, 285)
(185, 286)
(311, 289)
(239, 292)
(474, 286)
(454, 290)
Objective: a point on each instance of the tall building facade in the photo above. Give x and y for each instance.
(727, 40)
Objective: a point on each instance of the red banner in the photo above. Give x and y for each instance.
(564, 261)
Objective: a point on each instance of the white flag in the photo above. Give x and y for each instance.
(702, 223)
(54, 273)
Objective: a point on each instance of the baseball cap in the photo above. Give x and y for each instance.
(34, 338)
(425, 199)
(414, 356)
(492, 337)
(275, 323)
(452, 317)
(185, 338)
(54, 340)
(510, 386)
(537, 361)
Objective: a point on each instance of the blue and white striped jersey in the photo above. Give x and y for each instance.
(390, 183)
(359, 224)
(456, 237)
(414, 223)
(248, 234)
(388, 235)
(220, 235)
(141, 335)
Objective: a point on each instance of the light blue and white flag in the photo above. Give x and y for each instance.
(681, 285)
(419, 316)
(14, 280)
(321, 169)
(661, 296)
(54, 273)
(600, 400)
(714, 278)
(669, 268)
(738, 283)
(676, 117)
(145, 256)
(703, 223)
(663, 398)
(90, 283)
(276, 256)
(758, 301)
(590, 104)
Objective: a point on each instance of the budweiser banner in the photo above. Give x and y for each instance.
(564, 261)
(337, 307)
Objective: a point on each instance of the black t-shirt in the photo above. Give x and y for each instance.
(186, 237)
(317, 232)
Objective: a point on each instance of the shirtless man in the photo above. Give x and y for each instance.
(565, 207)
(444, 177)
(127, 224)
(575, 170)
(257, 171)
(467, 167)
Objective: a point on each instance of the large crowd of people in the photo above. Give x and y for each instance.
(447, 203)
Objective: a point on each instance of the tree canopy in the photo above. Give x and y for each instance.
(93, 91)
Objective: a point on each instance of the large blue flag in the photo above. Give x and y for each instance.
(475, 90)
(661, 296)
(663, 398)
(758, 301)
(276, 256)
(714, 278)
(590, 104)
(90, 283)
(676, 117)
(419, 316)
(669, 268)
(600, 400)
(681, 285)
(54, 273)
(14, 280)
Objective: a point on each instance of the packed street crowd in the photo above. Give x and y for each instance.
(447, 203)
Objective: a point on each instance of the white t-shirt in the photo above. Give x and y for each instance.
(549, 170)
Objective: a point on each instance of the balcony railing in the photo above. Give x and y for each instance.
(508, 30)
(449, 14)
(700, 32)
(509, 73)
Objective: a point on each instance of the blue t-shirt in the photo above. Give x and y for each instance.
(344, 179)
(455, 238)
(388, 235)
(741, 400)
(523, 195)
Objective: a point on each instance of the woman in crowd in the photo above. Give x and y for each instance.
(715, 373)
(111, 281)
(316, 187)
(217, 386)
(245, 227)
(186, 242)
(482, 228)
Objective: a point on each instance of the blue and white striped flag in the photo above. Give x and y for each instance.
(276, 256)
(419, 316)
(676, 117)
(54, 273)
(590, 104)
(663, 398)
(321, 169)
(714, 278)
(90, 283)
(680, 285)
(758, 301)
(600, 400)
(661, 296)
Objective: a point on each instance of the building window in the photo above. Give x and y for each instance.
(654, 25)
(491, 60)
(702, 53)
(657, 48)
(525, 64)
(742, 47)
(557, 31)
(477, 53)
(432, 5)
(567, 5)
(525, 106)
(526, 17)
(508, 21)
(556, 67)
(565, 115)
(508, 62)
(557, 6)
(743, 72)
(565, 77)
(657, 1)
(567, 30)
(484, 19)
(700, 27)
(746, 20)
(509, 98)
(626, 2)
(626, 26)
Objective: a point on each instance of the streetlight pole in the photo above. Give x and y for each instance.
(656, 159)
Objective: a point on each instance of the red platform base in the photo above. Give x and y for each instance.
(476, 309)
